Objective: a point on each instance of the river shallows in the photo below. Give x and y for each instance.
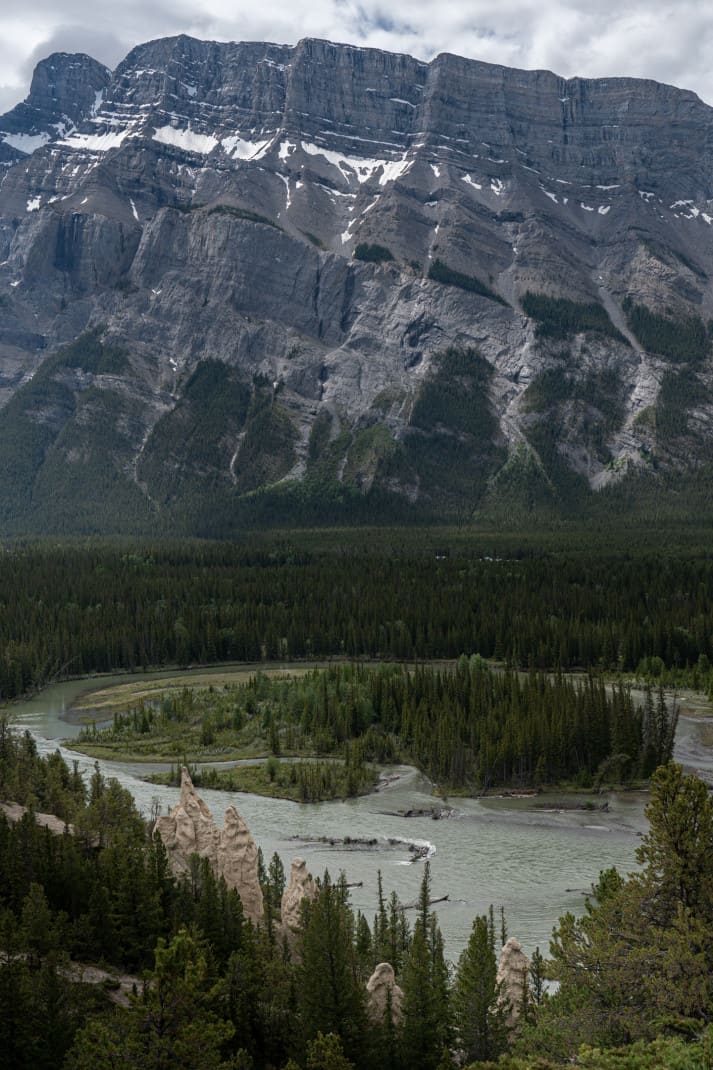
(526, 855)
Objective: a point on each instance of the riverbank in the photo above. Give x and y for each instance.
(100, 703)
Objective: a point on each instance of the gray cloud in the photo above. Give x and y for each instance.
(668, 40)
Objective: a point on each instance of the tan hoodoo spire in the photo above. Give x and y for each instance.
(190, 829)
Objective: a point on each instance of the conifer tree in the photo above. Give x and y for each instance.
(331, 994)
(425, 984)
(171, 1024)
(480, 1006)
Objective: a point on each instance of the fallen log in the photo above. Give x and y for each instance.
(415, 905)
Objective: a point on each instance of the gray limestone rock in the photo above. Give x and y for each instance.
(239, 203)
(66, 89)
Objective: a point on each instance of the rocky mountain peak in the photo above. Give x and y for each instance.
(66, 89)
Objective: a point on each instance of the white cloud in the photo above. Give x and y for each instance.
(668, 40)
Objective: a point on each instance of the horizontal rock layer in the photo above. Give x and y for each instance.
(265, 251)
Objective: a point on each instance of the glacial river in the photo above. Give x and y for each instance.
(527, 854)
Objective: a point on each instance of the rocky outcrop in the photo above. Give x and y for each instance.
(513, 970)
(302, 886)
(190, 829)
(238, 863)
(383, 991)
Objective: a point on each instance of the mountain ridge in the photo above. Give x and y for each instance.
(322, 239)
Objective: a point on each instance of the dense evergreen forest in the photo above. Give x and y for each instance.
(186, 981)
(568, 601)
(181, 978)
(467, 728)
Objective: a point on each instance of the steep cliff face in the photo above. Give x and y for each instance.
(311, 269)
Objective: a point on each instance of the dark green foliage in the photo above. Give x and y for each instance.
(267, 452)
(44, 784)
(90, 354)
(664, 1053)
(559, 318)
(370, 449)
(61, 442)
(587, 409)
(319, 435)
(372, 253)
(681, 340)
(569, 488)
(173, 1023)
(680, 392)
(218, 994)
(243, 213)
(426, 1009)
(440, 272)
(87, 464)
(451, 444)
(331, 993)
(190, 448)
(302, 781)
(326, 1053)
(468, 727)
(414, 593)
(480, 1003)
(547, 389)
(446, 399)
(25, 440)
(600, 389)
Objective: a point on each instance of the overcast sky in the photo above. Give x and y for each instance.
(669, 40)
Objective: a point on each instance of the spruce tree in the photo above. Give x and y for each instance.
(331, 994)
(425, 984)
(480, 1005)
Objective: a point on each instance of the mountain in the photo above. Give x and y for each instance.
(251, 282)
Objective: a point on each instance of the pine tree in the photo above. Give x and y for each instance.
(479, 1004)
(331, 994)
(326, 1053)
(536, 984)
(425, 984)
(172, 1024)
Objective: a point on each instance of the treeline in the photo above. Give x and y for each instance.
(441, 272)
(685, 339)
(71, 609)
(301, 781)
(559, 318)
(373, 253)
(207, 990)
(471, 727)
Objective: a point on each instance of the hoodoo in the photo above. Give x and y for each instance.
(190, 829)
